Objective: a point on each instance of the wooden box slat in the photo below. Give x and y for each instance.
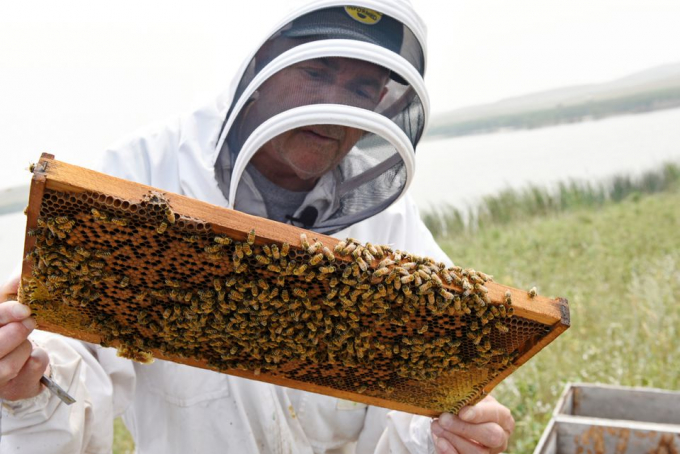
(604, 418)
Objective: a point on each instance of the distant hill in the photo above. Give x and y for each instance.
(653, 89)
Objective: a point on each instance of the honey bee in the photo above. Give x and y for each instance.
(169, 214)
(340, 248)
(364, 296)
(485, 277)
(347, 302)
(274, 268)
(386, 262)
(303, 241)
(171, 283)
(250, 240)
(190, 238)
(447, 277)
(346, 272)
(501, 327)
(213, 248)
(380, 272)
(299, 292)
(262, 260)
(532, 292)
(284, 249)
(316, 259)
(102, 254)
(327, 269)
(236, 295)
(97, 264)
(300, 269)
(162, 228)
(314, 248)
(508, 297)
(119, 221)
(503, 311)
(247, 249)
(222, 240)
(481, 288)
(407, 279)
(333, 282)
(275, 252)
(82, 251)
(362, 265)
(437, 281)
(328, 254)
(124, 282)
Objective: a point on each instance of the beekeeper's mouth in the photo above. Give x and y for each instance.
(325, 133)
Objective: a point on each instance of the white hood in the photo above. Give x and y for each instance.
(379, 168)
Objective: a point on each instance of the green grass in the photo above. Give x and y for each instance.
(511, 206)
(618, 264)
(122, 440)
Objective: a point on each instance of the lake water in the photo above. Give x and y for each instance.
(460, 170)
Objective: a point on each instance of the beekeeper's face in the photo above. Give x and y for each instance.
(306, 153)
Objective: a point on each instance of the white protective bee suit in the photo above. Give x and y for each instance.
(172, 408)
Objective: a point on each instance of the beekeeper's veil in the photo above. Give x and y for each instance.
(338, 77)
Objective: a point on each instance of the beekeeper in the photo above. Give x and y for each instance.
(318, 130)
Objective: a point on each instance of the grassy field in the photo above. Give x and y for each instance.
(612, 250)
(122, 441)
(618, 264)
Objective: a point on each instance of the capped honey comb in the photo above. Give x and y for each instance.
(161, 275)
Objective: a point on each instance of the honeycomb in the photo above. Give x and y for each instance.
(352, 320)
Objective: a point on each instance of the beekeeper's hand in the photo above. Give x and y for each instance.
(21, 365)
(481, 429)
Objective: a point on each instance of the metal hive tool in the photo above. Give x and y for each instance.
(162, 275)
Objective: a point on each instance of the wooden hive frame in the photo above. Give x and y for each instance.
(429, 345)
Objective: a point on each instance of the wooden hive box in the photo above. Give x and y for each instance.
(158, 274)
(594, 418)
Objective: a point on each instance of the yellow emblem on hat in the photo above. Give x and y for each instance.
(363, 15)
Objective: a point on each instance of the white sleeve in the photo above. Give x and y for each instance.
(101, 383)
(406, 433)
(394, 432)
(102, 386)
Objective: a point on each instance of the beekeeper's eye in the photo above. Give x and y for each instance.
(315, 74)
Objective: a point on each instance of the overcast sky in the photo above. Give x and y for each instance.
(77, 75)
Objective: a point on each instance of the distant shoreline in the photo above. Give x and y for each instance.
(645, 102)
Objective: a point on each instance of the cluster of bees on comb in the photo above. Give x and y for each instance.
(270, 307)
